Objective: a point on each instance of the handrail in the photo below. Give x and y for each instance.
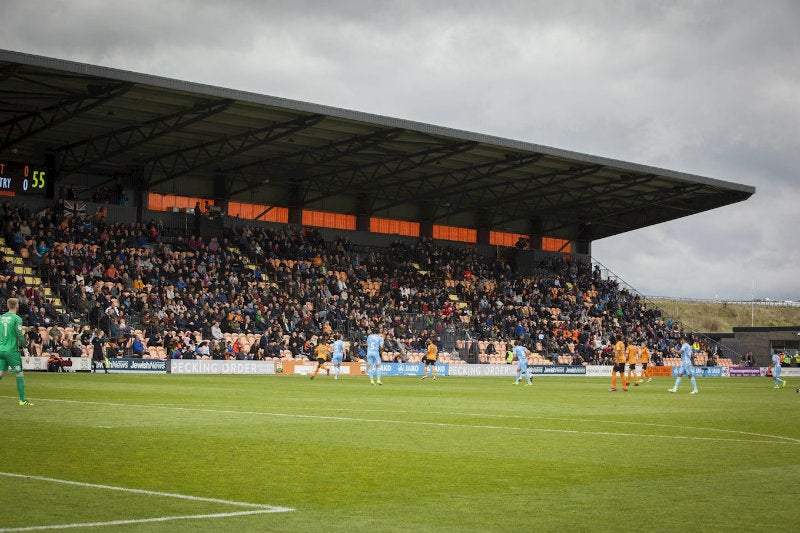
(651, 303)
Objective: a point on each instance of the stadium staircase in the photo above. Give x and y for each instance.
(609, 274)
(26, 271)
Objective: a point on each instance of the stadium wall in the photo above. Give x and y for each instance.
(762, 341)
(305, 368)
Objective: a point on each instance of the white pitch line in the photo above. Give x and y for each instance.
(151, 492)
(559, 419)
(138, 521)
(256, 508)
(784, 440)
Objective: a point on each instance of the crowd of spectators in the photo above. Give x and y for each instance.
(290, 287)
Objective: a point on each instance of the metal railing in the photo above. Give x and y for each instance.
(760, 302)
(649, 300)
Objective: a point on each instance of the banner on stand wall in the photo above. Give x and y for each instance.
(705, 371)
(79, 364)
(224, 366)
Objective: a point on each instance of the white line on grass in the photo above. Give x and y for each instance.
(560, 419)
(151, 492)
(780, 439)
(137, 521)
(255, 508)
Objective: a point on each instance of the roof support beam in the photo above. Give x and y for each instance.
(8, 71)
(593, 195)
(368, 178)
(631, 216)
(183, 161)
(314, 157)
(582, 197)
(86, 152)
(29, 124)
(496, 199)
(471, 174)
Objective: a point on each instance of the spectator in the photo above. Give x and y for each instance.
(55, 363)
(203, 350)
(137, 347)
(216, 331)
(34, 341)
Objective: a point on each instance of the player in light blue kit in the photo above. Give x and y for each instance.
(374, 345)
(775, 366)
(686, 366)
(338, 354)
(521, 353)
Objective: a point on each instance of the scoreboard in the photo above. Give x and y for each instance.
(22, 178)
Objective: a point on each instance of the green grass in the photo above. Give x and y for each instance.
(459, 454)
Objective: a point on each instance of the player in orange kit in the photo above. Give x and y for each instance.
(619, 365)
(644, 357)
(322, 351)
(633, 359)
(429, 359)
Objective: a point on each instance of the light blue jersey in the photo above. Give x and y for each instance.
(685, 368)
(686, 359)
(686, 354)
(776, 368)
(374, 344)
(338, 351)
(520, 352)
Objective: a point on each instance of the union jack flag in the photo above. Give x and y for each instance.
(75, 209)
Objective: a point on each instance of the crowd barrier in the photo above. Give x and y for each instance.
(757, 372)
(305, 368)
(224, 366)
(84, 364)
(40, 363)
(705, 371)
(660, 371)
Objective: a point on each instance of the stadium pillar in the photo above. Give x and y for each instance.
(363, 212)
(426, 230)
(535, 232)
(295, 203)
(141, 191)
(583, 244)
(482, 226)
(426, 214)
(220, 192)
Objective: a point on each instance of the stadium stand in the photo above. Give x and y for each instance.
(129, 142)
(274, 293)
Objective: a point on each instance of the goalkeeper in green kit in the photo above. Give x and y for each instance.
(12, 339)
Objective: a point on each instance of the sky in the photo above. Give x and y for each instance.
(705, 87)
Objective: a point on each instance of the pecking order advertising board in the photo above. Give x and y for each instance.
(224, 366)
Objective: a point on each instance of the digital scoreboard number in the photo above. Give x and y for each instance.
(22, 178)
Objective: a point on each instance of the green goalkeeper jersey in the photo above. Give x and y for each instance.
(11, 337)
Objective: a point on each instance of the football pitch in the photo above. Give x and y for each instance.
(138, 452)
